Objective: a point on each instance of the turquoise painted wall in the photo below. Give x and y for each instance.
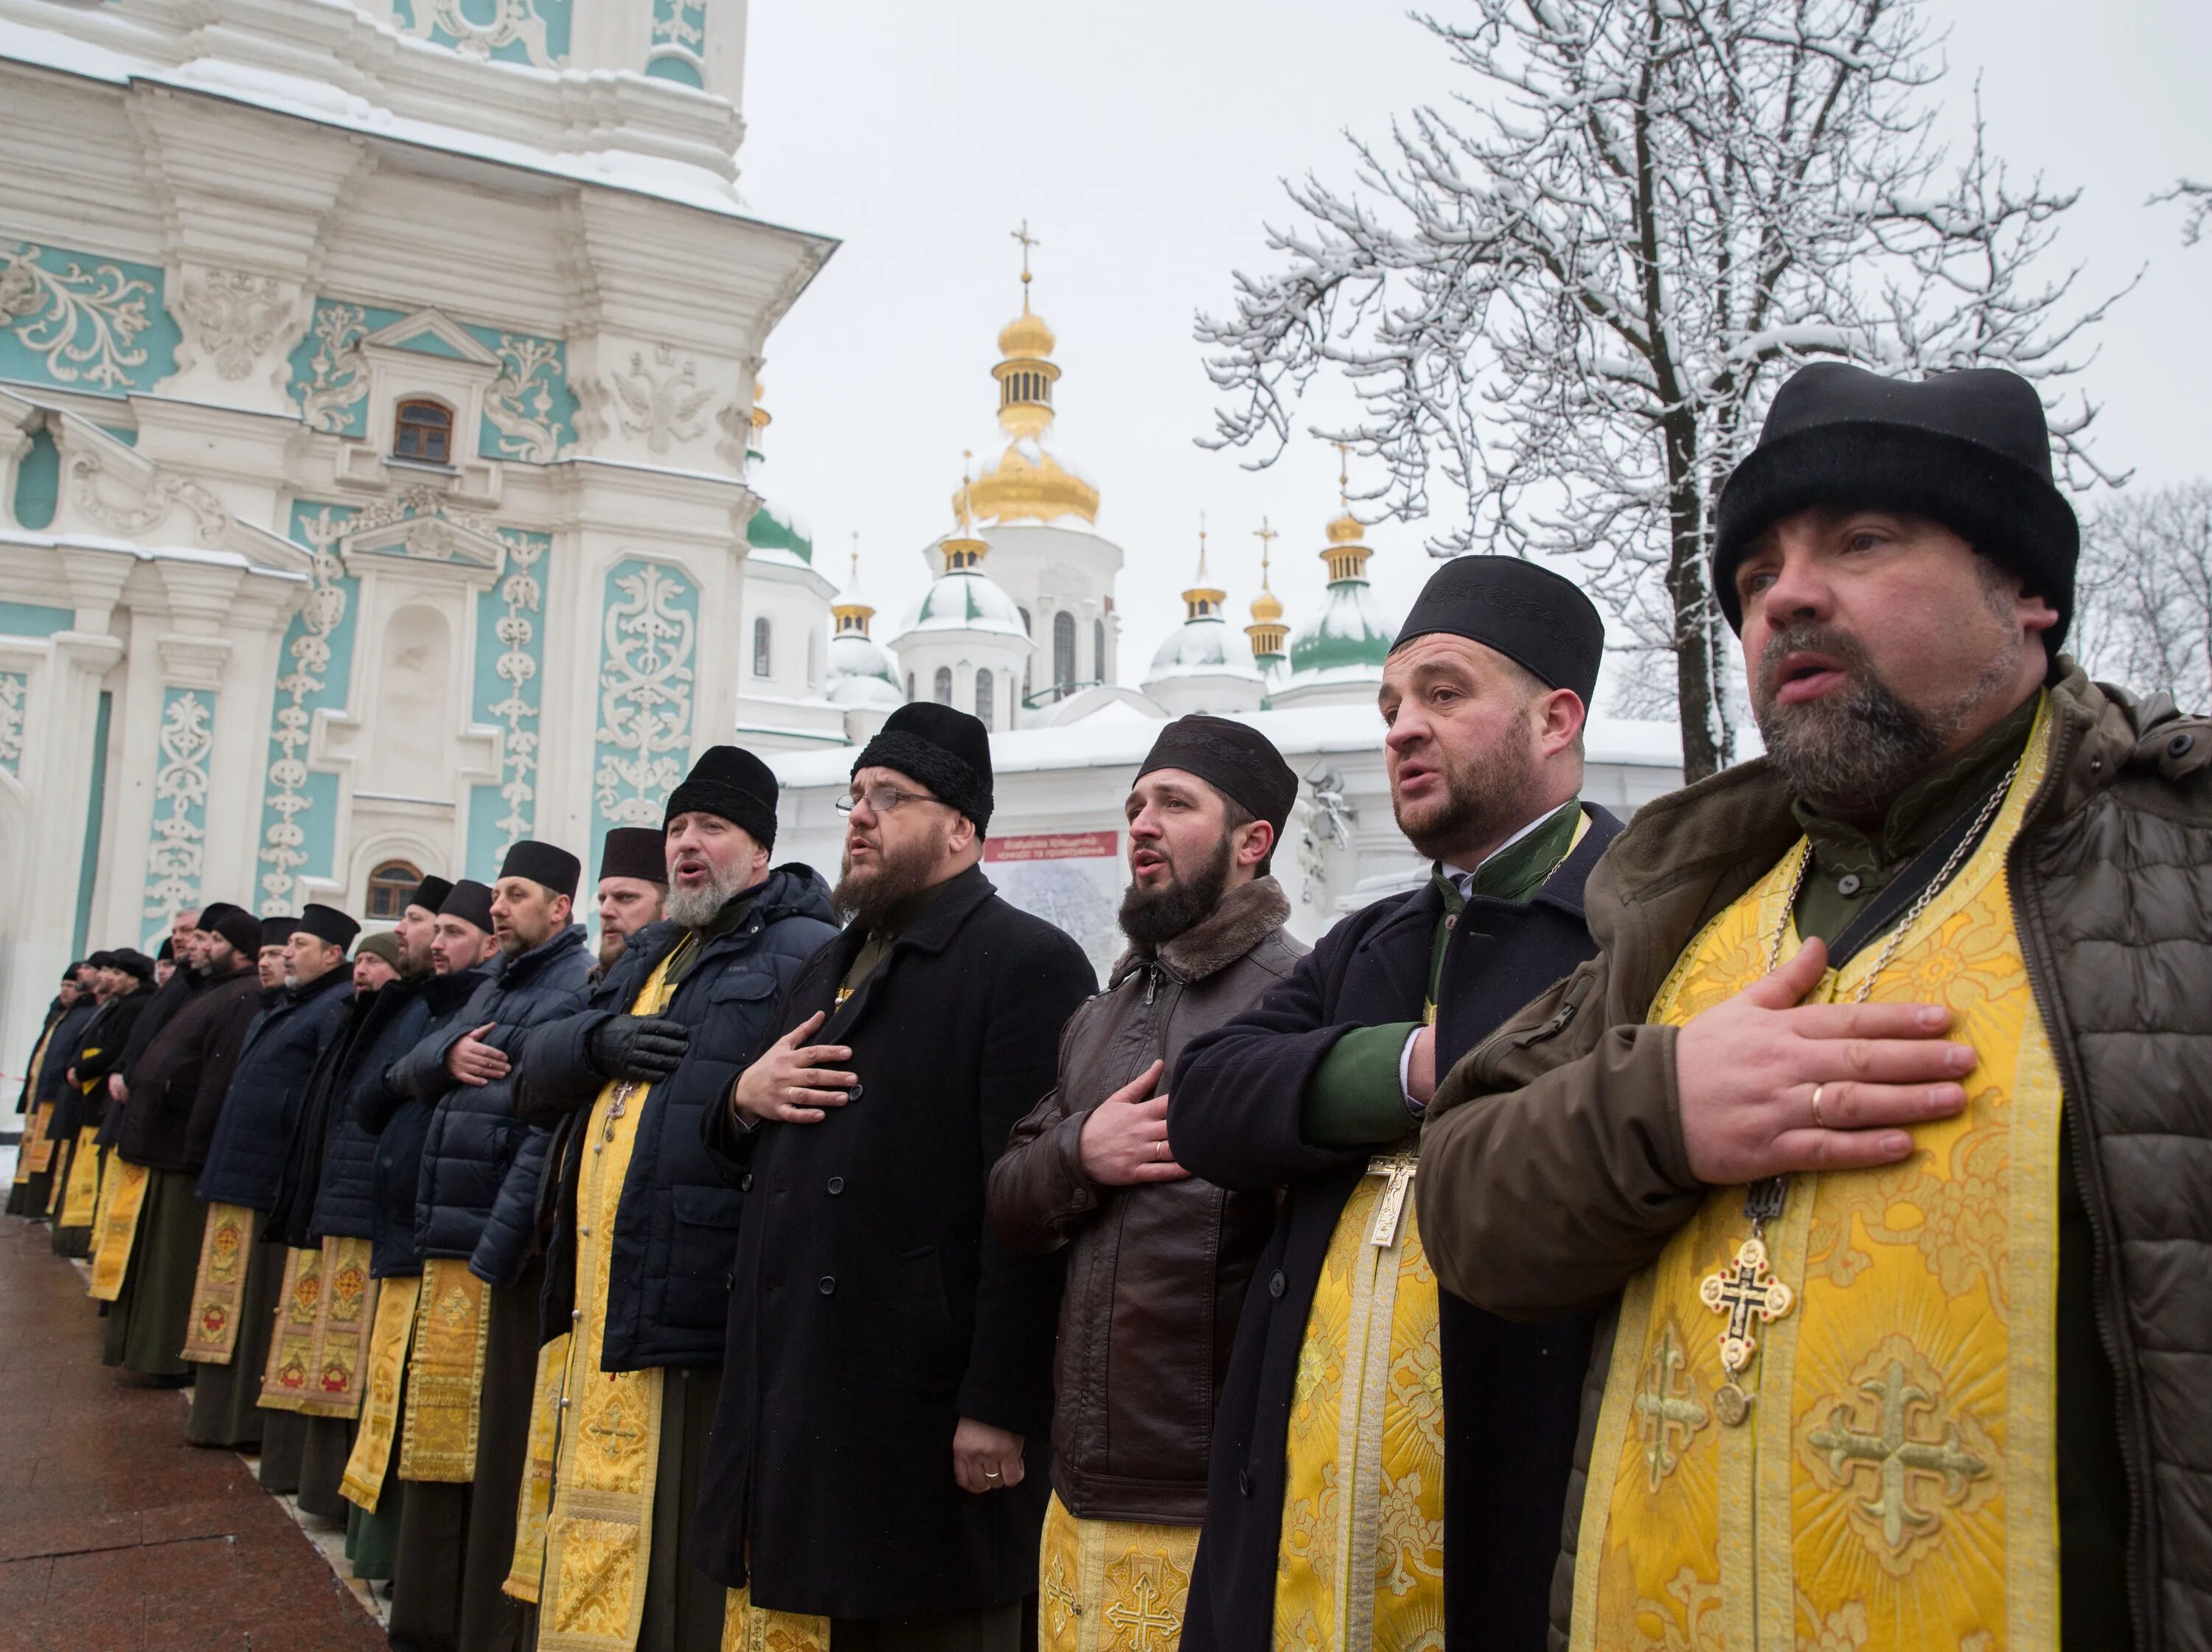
(38, 482)
(95, 819)
(649, 638)
(510, 662)
(79, 319)
(31, 619)
(299, 808)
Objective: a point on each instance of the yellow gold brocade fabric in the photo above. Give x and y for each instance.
(534, 1502)
(39, 1154)
(119, 1230)
(1894, 1488)
(1361, 1563)
(598, 1530)
(290, 1371)
(393, 1330)
(218, 1288)
(346, 1317)
(445, 1374)
(81, 1199)
(1112, 1585)
(748, 1629)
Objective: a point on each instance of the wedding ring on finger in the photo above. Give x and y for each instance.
(1818, 1123)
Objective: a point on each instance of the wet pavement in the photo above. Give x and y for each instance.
(115, 1535)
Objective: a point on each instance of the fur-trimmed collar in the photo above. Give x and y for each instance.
(1247, 914)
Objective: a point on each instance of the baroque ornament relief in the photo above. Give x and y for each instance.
(678, 48)
(516, 29)
(82, 319)
(645, 691)
(15, 689)
(236, 315)
(337, 378)
(662, 403)
(514, 668)
(310, 647)
(177, 852)
(520, 405)
(147, 504)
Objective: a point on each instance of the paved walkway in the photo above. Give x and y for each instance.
(115, 1535)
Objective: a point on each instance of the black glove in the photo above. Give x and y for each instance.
(645, 1047)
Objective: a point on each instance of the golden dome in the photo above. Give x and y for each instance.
(1345, 529)
(1020, 488)
(1267, 606)
(1026, 337)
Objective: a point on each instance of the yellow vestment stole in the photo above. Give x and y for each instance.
(81, 1198)
(1112, 1585)
(445, 1374)
(285, 1380)
(36, 1152)
(1362, 1559)
(1894, 1486)
(598, 1528)
(119, 1229)
(394, 1328)
(219, 1287)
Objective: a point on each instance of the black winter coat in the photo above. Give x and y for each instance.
(1512, 1393)
(344, 1195)
(331, 1159)
(668, 1286)
(872, 1307)
(168, 1003)
(93, 1049)
(465, 1205)
(61, 1055)
(54, 1011)
(245, 1153)
(193, 1058)
(400, 1123)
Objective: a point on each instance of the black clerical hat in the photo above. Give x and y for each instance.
(430, 893)
(545, 864)
(469, 901)
(275, 931)
(641, 852)
(1968, 449)
(730, 781)
(327, 924)
(1534, 618)
(1235, 759)
(944, 749)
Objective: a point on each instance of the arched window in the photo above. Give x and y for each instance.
(944, 695)
(984, 695)
(423, 431)
(1098, 671)
(389, 886)
(761, 651)
(1063, 650)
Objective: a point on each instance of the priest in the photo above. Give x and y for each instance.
(633, 887)
(1881, 1123)
(647, 1225)
(27, 1196)
(1420, 1493)
(193, 1056)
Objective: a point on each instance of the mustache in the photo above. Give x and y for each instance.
(1811, 638)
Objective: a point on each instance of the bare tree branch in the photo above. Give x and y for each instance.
(1573, 291)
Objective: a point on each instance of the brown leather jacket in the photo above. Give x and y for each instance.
(1553, 1166)
(1155, 1273)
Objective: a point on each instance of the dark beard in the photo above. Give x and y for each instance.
(1152, 918)
(1850, 752)
(865, 897)
(1485, 801)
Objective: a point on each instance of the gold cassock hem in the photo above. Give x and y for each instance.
(219, 1286)
(1112, 1585)
(394, 1330)
(119, 1230)
(445, 1374)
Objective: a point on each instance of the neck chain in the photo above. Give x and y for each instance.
(1746, 1290)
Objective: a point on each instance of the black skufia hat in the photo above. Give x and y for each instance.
(469, 901)
(132, 962)
(326, 923)
(944, 749)
(1235, 759)
(1968, 449)
(275, 931)
(641, 852)
(1536, 618)
(545, 864)
(727, 780)
(213, 913)
(245, 931)
(430, 893)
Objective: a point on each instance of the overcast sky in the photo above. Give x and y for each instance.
(1146, 143)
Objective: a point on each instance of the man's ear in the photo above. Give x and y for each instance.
(1560, 715)
(1256, 842)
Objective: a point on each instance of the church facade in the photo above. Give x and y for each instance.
(375, 389)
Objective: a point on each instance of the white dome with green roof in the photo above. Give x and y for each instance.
(1340, 654)
(772, 529)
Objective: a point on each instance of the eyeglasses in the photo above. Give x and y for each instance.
(881, 799)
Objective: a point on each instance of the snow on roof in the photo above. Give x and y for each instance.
(677, 181)
(1106, 740)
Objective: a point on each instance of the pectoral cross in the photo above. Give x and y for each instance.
(1744, 1290)
(1391, 1207)
(618, 1105)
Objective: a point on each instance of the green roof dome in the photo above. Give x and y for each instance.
(1352, 634)
(770, 529)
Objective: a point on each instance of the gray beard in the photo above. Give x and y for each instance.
(695, 909)
(1850, 753)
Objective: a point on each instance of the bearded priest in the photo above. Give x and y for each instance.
(1388, 1459)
